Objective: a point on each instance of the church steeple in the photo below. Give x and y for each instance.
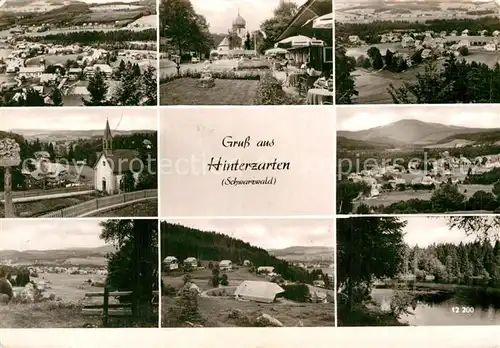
(107, 139)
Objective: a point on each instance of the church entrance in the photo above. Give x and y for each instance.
(104, 188)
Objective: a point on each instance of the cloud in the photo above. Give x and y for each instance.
(78, 119)
(49, 234)
(362, 117)
(269, 233)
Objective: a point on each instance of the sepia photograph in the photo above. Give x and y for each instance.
(247, 273)
(418, 160)
(79, 273)
(418, 271)
(417, 52)
(239, 52)
(90, 163)
(246, 162)
(78, 53)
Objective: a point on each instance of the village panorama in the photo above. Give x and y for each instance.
(227, 278)
(76, 53)
(69, 273)
(86, 165)
(423, 52)
(438, 162)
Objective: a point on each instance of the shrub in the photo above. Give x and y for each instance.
(224, 280)
(23, 277)
(270, 92)
(215, 276)
(297, 292)
(185, 310)
(210, 265)
(186, 278)
(252, 75)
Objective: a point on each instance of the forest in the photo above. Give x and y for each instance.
(93, 37)
(475, 263)
(182, 242)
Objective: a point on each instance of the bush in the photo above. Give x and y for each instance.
(224, 280)
(270, 92)
(215, 277)
(252, 75)
(185, 310)
(297, 292)
(186, 278)
(23, 277)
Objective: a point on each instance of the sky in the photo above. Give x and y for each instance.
(302, 136)
(78, 119)
(220, 14)
(269, 233)
(51, 234)
(468, 115)
(425, 231)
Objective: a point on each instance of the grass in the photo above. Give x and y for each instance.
(41, 207)
(215, 311)
(389, 198)
(144, 208)
(185, 91)
(45, 315)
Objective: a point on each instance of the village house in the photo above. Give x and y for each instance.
(354, 39)
(171, 263)
(191, 261)
(265, 269)
(31, 72)
(225, 265)
(246, 263)
(106, 69)
(112, 164)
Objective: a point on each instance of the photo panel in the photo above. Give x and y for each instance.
(61, 163)
(418, 271)
(247, 273)
(260, 52)
(417, 52)
(80, 273)
(246, 162)
(418, 160)
(78, 53)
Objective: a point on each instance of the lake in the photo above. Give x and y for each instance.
(433, 309)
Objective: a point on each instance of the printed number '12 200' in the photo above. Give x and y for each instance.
(462, 310)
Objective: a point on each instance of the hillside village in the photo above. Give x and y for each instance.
(57, 62)
(237, 289)
(461, 164)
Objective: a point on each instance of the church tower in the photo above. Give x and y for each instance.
(107, 140)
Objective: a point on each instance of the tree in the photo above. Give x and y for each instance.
(215, 276)
(378, 61)
(345, 86)
(389, 58)
(98, 89)
(224, 280)
(274, 26)
(127, 182)
(57, 97)
(183, 26)
(248, 42)
(134, 266)
(367, 248)
(447, 198)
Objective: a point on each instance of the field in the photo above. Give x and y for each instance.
(215, 311)
(372, 85)
(185, 91)
(146, 21)
(397, 196)
(51, 59)
(144, 208)
(41, 207)
(53, 314)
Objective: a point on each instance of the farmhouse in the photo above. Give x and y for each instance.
(112, 164)
(258, 291)
(265, 269)
(191, 261)
(171, 263)
(225, 265)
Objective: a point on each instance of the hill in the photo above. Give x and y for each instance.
(56, 135)
(411, 132)
(73, 256)
(350, 144)
(182, 242)
(304, 253)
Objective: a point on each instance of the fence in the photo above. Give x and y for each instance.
(38, 192)
(107, 310)
(100, 203)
